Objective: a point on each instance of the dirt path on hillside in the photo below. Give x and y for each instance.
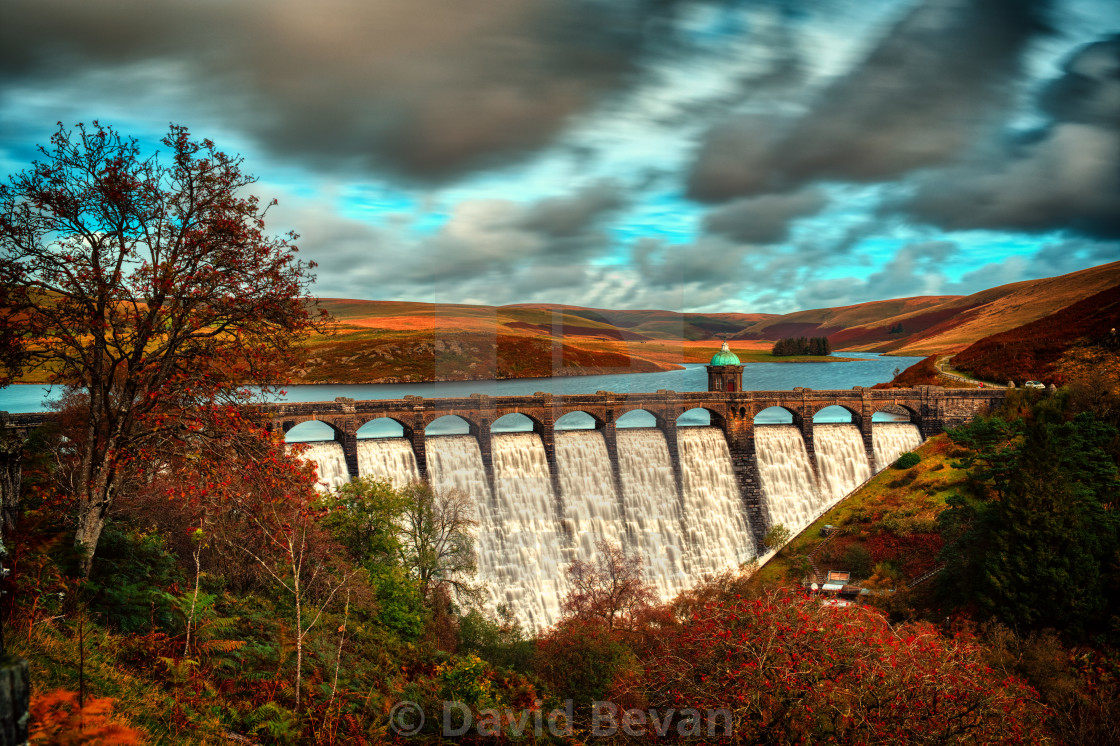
(940, 366)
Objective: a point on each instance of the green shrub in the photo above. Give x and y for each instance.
(907, 460)
(776, 537)
(857, 560)
(128, 581)
(905, 480)
(500, 641)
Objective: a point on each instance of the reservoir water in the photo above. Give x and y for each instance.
(871, 368)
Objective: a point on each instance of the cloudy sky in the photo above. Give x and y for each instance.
(761, 155)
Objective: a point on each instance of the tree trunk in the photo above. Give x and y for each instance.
(91, 520)
(341, 641)
(299, 637)
(11, 455)
(15, 697)
(93, 505)
(194, 598)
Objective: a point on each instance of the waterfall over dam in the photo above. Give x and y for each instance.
(330, 462)
(842, 459)
(716, 521)
(651, 508)
(388, 460)
(892, 440)
(692, 485)
(591, 508)
(530, 527)
(791, 490)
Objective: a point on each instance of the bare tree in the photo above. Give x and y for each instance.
(438, 544)
(612, 590)
(278, 514)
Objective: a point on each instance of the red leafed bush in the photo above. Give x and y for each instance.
(57, 719)
(914, 554)
(790, 670)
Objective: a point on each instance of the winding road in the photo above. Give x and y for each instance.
(940, 366)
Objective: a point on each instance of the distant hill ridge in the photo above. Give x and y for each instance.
(913, 326)
(388, 341)
(926, 325)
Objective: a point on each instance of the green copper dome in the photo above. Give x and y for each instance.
(725, 357)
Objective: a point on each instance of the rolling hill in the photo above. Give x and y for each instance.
(1030, 351)
(834, 322)
(957, 323)
(397, 341)
(938, 324)
(392, 341)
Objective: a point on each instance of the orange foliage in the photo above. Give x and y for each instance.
(57, 719)
(923, 373)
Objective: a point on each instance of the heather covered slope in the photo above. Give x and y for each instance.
(396, 341)
(922, 373)
(939, 324)
(658, 324)
(1030, 351)
(391, 342)
(960, 322)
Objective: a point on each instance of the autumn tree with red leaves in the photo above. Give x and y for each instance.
(256, 505)
(150, 285)
(588, 652)
(278, 513)
(791, 670)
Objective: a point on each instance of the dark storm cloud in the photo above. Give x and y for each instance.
(494, 246)
(707, 261)
(572, 215)
(1089, 90)
(764, 219)
(429, 89)
(919, 98)
(488, 237)
(1065, 177)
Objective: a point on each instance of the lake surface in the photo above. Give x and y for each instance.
(870, 369)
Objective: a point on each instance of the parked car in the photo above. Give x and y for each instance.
(1034, 385)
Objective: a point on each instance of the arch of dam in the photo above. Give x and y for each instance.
(931, 409)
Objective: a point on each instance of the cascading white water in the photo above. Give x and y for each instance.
(651, 508)
(891, 440)
(718, 534)
(530, 567)
(591, 507)
(388, 459)
(455, 463)
(787, 476)
(841, 459)
(527, 536)
(330, 461)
